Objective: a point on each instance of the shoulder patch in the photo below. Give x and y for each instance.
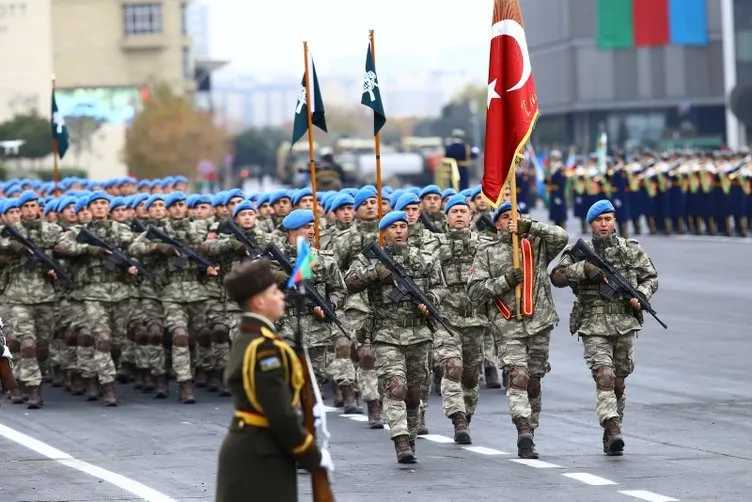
(270, 363)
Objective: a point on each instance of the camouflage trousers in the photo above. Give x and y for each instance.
(342, 369)
(460, 356)
(368, 380)
(490, 353)
(525, 361)
(360, 322)
(148, 325)
(107, 323)
(65, 336)
(184, 321)
(32, 329)
(401, 371)
(233, 320)
(319, 357)
(611, 360)
(213, 353)
(128, 350)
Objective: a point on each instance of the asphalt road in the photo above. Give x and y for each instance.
(688, 425)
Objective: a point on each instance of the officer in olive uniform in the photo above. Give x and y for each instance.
(266, 439)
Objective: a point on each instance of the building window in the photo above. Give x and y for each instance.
(142, 18)
(187, 66)
(184, 18)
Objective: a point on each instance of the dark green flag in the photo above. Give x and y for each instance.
(372, 95)
(300, 124)
(59, 129)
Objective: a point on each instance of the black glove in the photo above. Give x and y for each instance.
(523, 226)
(514, 277)
(593, 273)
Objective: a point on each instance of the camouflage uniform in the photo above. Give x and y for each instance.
(524, 345)
(608, 328)
(401, 338)
(105, 302)
(31, 296)
(460, 353)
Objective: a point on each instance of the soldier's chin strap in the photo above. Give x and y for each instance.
(319, 413)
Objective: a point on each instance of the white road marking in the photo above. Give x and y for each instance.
(329, 409)
(589, 479)
(538, 464)
(386, 427)
(133, 487)
(357, 418)
(649, 496)
(437, 438)
(484, 451)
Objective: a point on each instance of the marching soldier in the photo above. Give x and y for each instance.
(607, 327)
(556, 184)
(266, 439)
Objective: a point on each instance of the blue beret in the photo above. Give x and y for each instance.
(231, 194)
(173, 198)
(394, 197)
(405, 200)
(50, 206)
(169, 180)
(387, 189)
(455, 200)
(243, 206)
(365, 193)
(391, 218)
(597, 209)
(10, 204)
(340, 200)
(278, 195)
(181, 179)
(218, 199)
(369, 187)
(27, 196)
(143, 184)
(98, 195)
(303, 192)
(448, 193)
(190, 201)
(467, 192)
(507, 206)
(475, 192)
(81, 204)
(429, 189)
(414, 190)
(297, 218)
(138, 199)
(116, 202)
(262, 199)
(65, 202)
(351, 191)
(152, 199)
(130, 180)
(202, 199)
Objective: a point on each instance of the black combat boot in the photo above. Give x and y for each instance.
(461, 433)
(437, 381)
(35, 397)
(108, 395)
(349, 402)
(92, 389)
(492, 378)
(422, 427)
(405, 454)
(160, 386)
(185, 394)
(375, 421)
(613, 443)
(58, 376)
(525, 443)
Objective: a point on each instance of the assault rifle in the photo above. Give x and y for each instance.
(311, 292)
(485, 224)
(184, 252)
(405, 286)
(428, 224)
(138, 226)
(39, 256)
(616, 287)
(248, 242)
(116, 256)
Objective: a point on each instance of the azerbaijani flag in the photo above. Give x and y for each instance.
(641, 23)
(304, 264)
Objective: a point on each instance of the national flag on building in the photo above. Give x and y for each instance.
(372, 94)
(512, 101)
(304, 264)
(59, 129)
(300, 124)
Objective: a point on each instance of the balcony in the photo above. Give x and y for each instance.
(156, 41)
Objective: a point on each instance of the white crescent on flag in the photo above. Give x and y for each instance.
(512, 28)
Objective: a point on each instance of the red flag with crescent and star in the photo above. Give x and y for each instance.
(512, 101)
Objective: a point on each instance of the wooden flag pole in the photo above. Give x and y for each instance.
(377, 149)
(55, 155)
(515, 238)
(311, 153)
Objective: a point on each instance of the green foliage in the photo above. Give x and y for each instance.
(64, 172)
(258, 147)
(33, 130)
(3, 172)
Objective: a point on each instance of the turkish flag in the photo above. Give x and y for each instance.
(512, 102)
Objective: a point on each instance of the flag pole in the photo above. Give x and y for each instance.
(311, 153)
(55, 155)
(377, 149)
(515, 236)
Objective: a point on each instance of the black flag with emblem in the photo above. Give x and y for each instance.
(371, 93)
(300, 124)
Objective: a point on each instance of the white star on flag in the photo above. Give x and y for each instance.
(492, 94)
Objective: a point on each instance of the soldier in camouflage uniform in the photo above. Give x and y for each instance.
(318, 335)
(524, 343)
(401, 338)
(31, 296)
(608, 328)
(342, 207)
(105, 299)
(430, 200)
(347, 246)
(459, 353)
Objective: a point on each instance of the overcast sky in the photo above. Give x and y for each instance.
(266, 36)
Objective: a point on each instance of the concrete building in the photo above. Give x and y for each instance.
(655, 96)
(102, 54)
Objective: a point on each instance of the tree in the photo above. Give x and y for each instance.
(473, 95)
(258, 147)
(33, 130)
(170, 137)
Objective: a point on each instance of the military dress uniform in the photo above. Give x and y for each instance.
(257, 460)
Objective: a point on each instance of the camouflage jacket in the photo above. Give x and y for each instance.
(328, 234)
(481, 227)
(182, 285)
(419, 237)
(591, 313)
(155, 263)
(487, 279)
(456, 250)
(28, 283)
(328, 281)
(228, 251)
(96, 281)
(349, 243)
(438, 220)
(398, 323)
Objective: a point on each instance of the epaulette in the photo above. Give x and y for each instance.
(487, 244)
(485, 239)
(633, 243)
(325, 252)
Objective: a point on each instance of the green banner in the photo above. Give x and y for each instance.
(615, 27)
